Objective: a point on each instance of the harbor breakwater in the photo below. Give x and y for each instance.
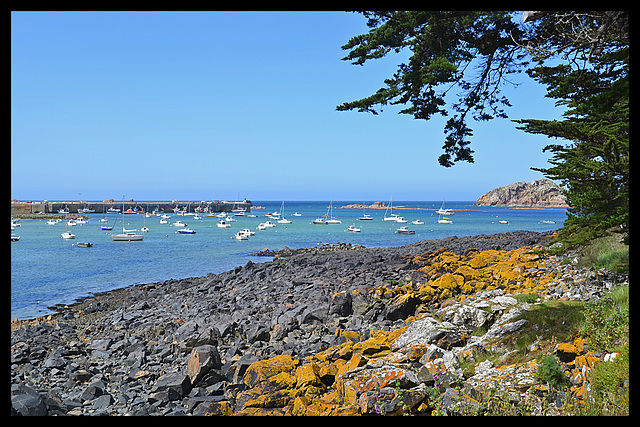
(141, 206)
(333, 330)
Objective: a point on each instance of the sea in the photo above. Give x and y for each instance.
(47, 270)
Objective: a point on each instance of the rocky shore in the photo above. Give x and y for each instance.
(330, 330)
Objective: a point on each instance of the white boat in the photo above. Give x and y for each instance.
(240, 235)
(50, 222)
(14, 238)
(546, 221)
(104, 220)
(71, 223)
(417, 222)
(165, 216)
(186, 231)
(392, 216)
(283, 220)
(145, 229)
(444, 220)
(320, 221)
(68, 235)
(63, 211)
(404, 230)
(164, 221)
(269, 224)
(106, 228)
(366, 217)
(443, 211)
(113, 210)
(84, 244)
(332, 219)
(261, 226)
(400, 219)
(126, 235)
(248, 232)
(179, 224)
(353, 229)
(223, 224)
(297, 214)
(503, 221)
(81, 221)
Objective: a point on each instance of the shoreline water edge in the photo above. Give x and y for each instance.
(338, 329)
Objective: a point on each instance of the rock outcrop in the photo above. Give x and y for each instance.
(538, 193)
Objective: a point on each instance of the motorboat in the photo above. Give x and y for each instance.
(223, 224)
(417, 222)
(186, 231)
(320, 221)
(404, 230)
(269, 224)
(353, 229)
(503, 221)
(106, 227)
(400, 219)
(84, 244)
(297, 214)
(248, 232)
(164, 221)
(68, 235)
(14, 238)
(145, 229)
(179, 224)
(366, 217)
(241, 235)
(444, 220)
(71, 223)
(261, 226)
(546, 221)
(50, 222)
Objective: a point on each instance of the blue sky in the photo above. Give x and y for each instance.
(221, 105)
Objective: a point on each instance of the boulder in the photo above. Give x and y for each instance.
(201, 360)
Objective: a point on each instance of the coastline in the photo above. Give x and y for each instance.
(196, 345)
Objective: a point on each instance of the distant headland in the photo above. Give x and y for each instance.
(539, 193)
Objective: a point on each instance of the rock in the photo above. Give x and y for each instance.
(176, 385)
(201, 360)
(541, 192)
(28, 405)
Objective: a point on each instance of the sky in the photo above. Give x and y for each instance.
(233, 105)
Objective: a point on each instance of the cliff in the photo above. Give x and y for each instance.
(538, 193)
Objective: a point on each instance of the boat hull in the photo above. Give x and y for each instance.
(126, 237)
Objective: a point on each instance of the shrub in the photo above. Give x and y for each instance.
(550, 371)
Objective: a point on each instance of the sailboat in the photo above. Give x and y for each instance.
(283, 220)
(332, 219)
(443, 211)
(365, 216)
(391, 216)
(127, 235)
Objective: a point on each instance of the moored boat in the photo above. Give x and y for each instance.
(404, 230)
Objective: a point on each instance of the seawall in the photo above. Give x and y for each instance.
(102, 207)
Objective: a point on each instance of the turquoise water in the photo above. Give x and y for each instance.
(48, 270)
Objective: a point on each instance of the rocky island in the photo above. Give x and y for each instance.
(537, 193)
